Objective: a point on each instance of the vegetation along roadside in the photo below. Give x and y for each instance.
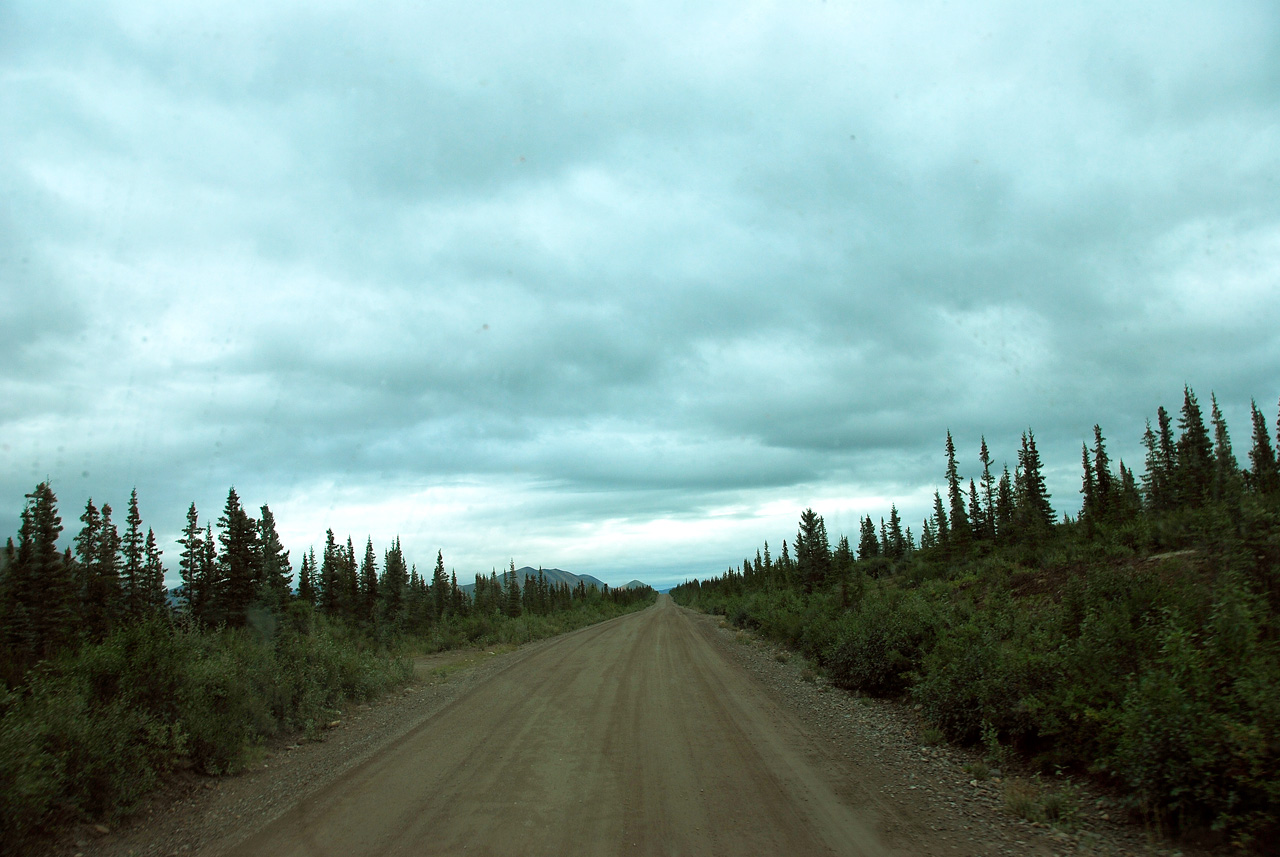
(107, 682)
(1137, 643)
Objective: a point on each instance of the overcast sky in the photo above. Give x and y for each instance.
(618, 288)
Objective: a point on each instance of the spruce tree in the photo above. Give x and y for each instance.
(440, 587)
(239, 568)
(1089, 505)
(813, 552)
(350, 582)
(1264, 475)
(1159, 481)
(958, 520)
(1033, 514)
(133, 553)
(868, 544)
(190, 565)
(942, 531)
(306, 578)
(975, 512)
(1194, 454)
(1004, 507)
(40, 583)
(330, 594)
(395, 578)
(1226, 470)
(153, 592)
(99, 584)
(988, 529)
(1104, 485)
(210, 582)
(897, 544)
(511, 592)
(369, 583)
(276, 572)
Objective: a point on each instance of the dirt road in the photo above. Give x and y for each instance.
(636, 736)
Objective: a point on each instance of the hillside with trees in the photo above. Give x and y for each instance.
(1137, 642)
(107, 681)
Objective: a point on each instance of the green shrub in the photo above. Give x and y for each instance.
(878, 648)
(1201, 728)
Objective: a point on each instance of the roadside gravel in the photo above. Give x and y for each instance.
(926, 796)
(883, 741)
(191, 813)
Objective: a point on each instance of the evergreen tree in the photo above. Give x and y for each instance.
(868, 544)
(40, 584)
(99, 584)
(1104, 486)
(134, 556)
(1158, 481)
(941, 528)
(191, 565)
(1264, 475)
(395, 578)
(896, 547)
(369, 583)
(1226, 470)
(511, 592)
(958, 520)
(813, 552)
(209, 574)
(1032, 513)
(440, 587)
(276, 570)
(1004, 507)
(153, 590)
(1089, 506)
(239, 568)
(1193, 454)
(306, 578)
(926, 536)
(350, 583)
(330, 593)
(1129, 500)
(988, 529)
(975, 512)
(842, 560)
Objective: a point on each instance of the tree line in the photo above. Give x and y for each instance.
(53, 599)
(1137, 640)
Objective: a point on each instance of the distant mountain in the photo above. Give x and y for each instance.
(552, 575)
(634, 584)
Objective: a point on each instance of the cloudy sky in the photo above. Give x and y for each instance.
(618, 288)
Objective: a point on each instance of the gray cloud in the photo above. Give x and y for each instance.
(601, 278)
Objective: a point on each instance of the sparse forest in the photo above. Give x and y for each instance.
(107, 681)
(1137, 642)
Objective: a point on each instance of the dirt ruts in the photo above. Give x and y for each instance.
(659, 732)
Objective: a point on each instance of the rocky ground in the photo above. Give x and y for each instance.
(972, 804)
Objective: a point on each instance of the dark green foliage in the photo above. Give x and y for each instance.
(1193, 458)
(868, 544)
(39, 587)
(958, 518)
(1264, 475)
(239, 568)
(1139, 644)
(133, 559)
(813, 551)
(275, 571)
(1033, 516)
(93, 732)
(879, 647)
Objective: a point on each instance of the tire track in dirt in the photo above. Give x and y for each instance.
(636, 736)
